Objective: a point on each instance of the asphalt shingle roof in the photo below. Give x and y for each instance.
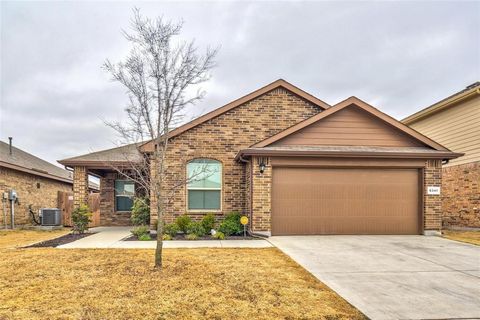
(22, 159)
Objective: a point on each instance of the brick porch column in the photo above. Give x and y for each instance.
(80, 186)
(261, 185)
(432, 203)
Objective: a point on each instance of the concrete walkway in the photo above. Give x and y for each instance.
(394, 277)
(111, 237)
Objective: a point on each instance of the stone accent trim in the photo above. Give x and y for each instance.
(80, 186)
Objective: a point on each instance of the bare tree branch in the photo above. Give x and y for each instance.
(159, 74)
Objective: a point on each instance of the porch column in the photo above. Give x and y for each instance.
(80, 186)
(261, 185)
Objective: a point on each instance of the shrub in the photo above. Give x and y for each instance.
(218, 235)
(145, 237)
(182, 222)
(140, 212)
(80, 218)
(196, 228)
(191, 236)
(171, 230)
(208, 222)
(139, 231)
(166, 237)
(231, 224)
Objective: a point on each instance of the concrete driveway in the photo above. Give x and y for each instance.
(394, 277)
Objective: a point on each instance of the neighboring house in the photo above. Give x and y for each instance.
(293, 164)
(455, 123)
(36, 182)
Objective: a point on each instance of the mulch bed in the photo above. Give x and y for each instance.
(182, 237)
(59, 241)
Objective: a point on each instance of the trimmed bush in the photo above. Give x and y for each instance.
(218, 235)
(182, 222)
(81, 217)
(231, 224)
(139, 231)
(208, 222)
(196, 228)
(171, 229)
(191, 236)
(140, 212)
(166, 237)
(145, 237)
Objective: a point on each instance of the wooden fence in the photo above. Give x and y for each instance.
(65, 203)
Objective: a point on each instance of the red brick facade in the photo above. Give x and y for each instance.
(222, 137)
(461, 195)
(432, 205)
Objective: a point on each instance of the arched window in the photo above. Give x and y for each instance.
(204, 185)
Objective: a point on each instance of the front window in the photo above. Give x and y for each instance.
(124, 193)
(204, 184)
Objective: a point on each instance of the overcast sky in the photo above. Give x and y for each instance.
(397, 56)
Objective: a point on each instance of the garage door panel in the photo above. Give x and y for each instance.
(344, 201)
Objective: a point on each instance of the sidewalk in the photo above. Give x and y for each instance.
(111, 237)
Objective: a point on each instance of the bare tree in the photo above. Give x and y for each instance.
(162, 76)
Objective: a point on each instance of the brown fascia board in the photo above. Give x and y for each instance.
(346, 154)
(441, 105)
(363, 105)
(148, 146)
(34, 172)
(94, 164)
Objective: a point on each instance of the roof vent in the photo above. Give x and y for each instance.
(10, 149)
(473, 85)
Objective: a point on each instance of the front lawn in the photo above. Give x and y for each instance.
(45, 283)
(20, 238)
(472, 237)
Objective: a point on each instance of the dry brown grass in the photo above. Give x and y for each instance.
(472, 237)
(20, 238)
(47, 283)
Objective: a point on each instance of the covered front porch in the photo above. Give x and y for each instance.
(116, 191)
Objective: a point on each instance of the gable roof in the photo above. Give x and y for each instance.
(280, 83)
(25, 162)
(366, 107)
(467, 93)
(126, 153)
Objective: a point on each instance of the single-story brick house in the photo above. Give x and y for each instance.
(36, 181)
(293, 164)
(455, 123)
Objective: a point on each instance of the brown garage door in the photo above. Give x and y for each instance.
(345, 201)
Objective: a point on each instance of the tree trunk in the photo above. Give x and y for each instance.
(159, 248)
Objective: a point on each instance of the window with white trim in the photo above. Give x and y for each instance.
(204, 186)
(124, 193)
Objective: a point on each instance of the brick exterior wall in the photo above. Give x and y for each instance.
(108, 215)
(461, 195)
(44, 196)
(432, 204)
(221, 138)
(261, 187)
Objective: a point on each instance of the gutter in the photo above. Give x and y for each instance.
(347, 154)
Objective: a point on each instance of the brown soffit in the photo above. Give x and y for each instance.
(347, 154)
(148, 146)
(96, 164)
(363, 105)
(34, 172)
(458, 97)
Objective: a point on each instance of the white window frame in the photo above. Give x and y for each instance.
(203, 189)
